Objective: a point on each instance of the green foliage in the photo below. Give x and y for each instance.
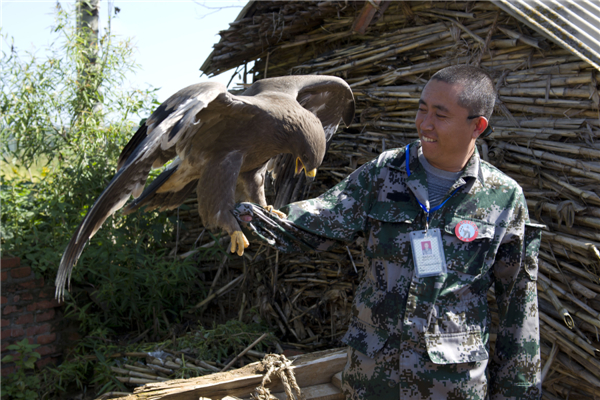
(90, 361)
(63, 123)
(21, 385)
(70, 118)
(64, 107)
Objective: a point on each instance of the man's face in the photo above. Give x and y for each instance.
(447, 135)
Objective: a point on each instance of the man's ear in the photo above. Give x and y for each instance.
(480, 124)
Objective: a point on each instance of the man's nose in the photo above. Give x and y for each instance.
(426, 124)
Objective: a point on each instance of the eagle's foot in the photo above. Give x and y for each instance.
(276, 212)
(238, 242)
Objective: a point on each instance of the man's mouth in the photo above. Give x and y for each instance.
(427, 139)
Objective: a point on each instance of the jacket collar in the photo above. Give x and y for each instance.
(471, 170)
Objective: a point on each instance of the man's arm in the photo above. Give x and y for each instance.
(268, 228)
(515, 367)
(315, 224)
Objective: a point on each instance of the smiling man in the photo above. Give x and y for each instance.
(421, 324)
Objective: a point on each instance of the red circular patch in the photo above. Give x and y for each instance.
(466, 231)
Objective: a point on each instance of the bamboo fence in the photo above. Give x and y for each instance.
(546, 124)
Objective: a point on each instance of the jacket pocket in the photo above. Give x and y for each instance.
(468, 256)
(365, 338)
(389, 225)
(455, 348)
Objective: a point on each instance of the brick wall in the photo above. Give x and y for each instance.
(30, 311)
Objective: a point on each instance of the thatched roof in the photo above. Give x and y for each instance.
(264, 27)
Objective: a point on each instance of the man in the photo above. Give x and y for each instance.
(426, 248)
(421, 329)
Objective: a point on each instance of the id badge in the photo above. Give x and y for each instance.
(428, 253)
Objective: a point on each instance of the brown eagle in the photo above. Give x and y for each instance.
(221, 145)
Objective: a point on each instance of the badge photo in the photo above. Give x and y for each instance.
(466, 231)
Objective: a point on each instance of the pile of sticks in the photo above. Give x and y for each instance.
(140, 368)
(546, 124)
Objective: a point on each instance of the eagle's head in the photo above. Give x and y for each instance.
(309, 146)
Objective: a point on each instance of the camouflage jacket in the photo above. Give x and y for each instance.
(443, 322)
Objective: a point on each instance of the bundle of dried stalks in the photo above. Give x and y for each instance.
(546, 125)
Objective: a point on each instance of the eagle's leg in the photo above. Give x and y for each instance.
(253, 187)
(238, 242)
(216, 192)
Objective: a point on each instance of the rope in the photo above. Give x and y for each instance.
(279, 365)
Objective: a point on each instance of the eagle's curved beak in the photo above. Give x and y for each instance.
(300, 166)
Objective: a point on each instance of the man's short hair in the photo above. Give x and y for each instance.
(478, 94)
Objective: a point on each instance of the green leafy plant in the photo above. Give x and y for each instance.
(60, 137)
(51, 123)
(20, 384)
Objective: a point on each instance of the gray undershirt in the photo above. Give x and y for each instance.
(438, 181)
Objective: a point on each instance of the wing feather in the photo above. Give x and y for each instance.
(153, 141)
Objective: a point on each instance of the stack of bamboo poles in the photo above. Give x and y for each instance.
(546, 124)
(140, 368)
(160, 369)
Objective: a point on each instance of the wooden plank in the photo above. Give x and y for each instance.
(326, 391)
(309, 370)
(337, 380)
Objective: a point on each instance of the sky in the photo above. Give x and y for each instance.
(172, 38)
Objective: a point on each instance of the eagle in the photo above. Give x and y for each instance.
(221, 145)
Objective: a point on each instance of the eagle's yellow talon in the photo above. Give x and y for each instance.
(276, 212)
(238, 242)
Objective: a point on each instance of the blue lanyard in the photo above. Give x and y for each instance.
(427, 212)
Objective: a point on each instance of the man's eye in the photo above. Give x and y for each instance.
(440, 116)
(422, 110)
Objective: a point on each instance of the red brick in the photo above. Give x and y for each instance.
(5, 344)
(16, 298)
(47, 292)
(37, 329)
(39, 282)
(45, 316)
(43, 305)
(10, 309)
(5, 322)
(8, 263)
(16, 332)
(5, 334)
(4, 299)
(4, 276)
(6, 371)
(27, 296)
(24, 319)
(21, 272)
(45, 339)
(22, 286)
(45, 350)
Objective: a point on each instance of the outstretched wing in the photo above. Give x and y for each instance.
(329, 98)
(152, 145)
